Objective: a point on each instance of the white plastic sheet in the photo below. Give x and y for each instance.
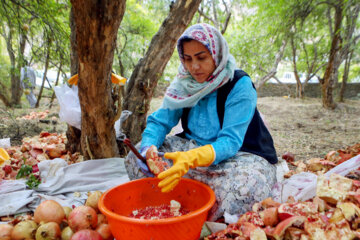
(5, 143)
(302, 186)
(67, 184)
(70, 111)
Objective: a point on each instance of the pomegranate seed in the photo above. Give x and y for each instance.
(35, 168)
(7, 169)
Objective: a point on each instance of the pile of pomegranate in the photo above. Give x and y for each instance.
(35, 115)
(321, 165)
(45, 146)
(333, 214)
(51, 221)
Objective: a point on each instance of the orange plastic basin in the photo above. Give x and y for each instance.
(117, 203)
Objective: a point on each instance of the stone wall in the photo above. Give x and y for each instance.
(312, 90)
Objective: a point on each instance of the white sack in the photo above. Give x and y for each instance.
(70, 111)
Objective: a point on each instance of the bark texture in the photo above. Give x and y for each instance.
(96, 24)
(331, 72)
(299, 88)
(345, 76)
(147, 72)
(73, 134)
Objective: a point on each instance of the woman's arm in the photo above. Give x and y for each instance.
(239, 111)
(158, 125)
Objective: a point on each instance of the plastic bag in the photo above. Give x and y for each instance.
(5, 143)
(302, 186)
(70, 111)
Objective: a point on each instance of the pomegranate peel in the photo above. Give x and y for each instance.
(294, 233)
(279, 231)
(247, 228)
(251, 217)
(155, 163)
(349, 210)
(287, 210)
(269, 202)
(270, 216)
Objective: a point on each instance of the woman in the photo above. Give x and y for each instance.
(225, 143)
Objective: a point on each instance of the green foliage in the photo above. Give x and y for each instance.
(4, 65)
(139, 24)
(31, 25)
(24, 171)
(255, 33)
(354, 74)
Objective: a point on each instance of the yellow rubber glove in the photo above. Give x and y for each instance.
(199, 157)
(116, 79)
(3, 156)
(73, 80)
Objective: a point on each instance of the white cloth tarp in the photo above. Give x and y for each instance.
(67, 184)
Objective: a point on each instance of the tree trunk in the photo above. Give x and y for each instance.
(345, 76)
(47, 60)
(4, 95)
(299, 89)
(333, 63)
(96, 24)
(270, 74)
(73, 134)
(16, 64)
(16, 90)
(56, 83)
(149, 69)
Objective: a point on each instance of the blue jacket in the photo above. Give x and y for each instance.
(203, 121)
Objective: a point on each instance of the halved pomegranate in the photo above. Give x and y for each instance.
(287, 210)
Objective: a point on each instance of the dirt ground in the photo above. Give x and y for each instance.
(302, 127)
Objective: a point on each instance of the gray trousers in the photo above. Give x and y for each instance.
(238, 182)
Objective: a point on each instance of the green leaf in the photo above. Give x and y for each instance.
(33, 182)
(24, 171)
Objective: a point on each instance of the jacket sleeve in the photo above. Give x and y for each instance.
(158, 125)
(239, 111)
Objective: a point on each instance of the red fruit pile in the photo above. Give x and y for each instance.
(46, 146)
(53, 221)
(333, 214)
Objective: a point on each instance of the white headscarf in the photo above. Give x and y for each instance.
(185, 91)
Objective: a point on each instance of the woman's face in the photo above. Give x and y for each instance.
(198, 60)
